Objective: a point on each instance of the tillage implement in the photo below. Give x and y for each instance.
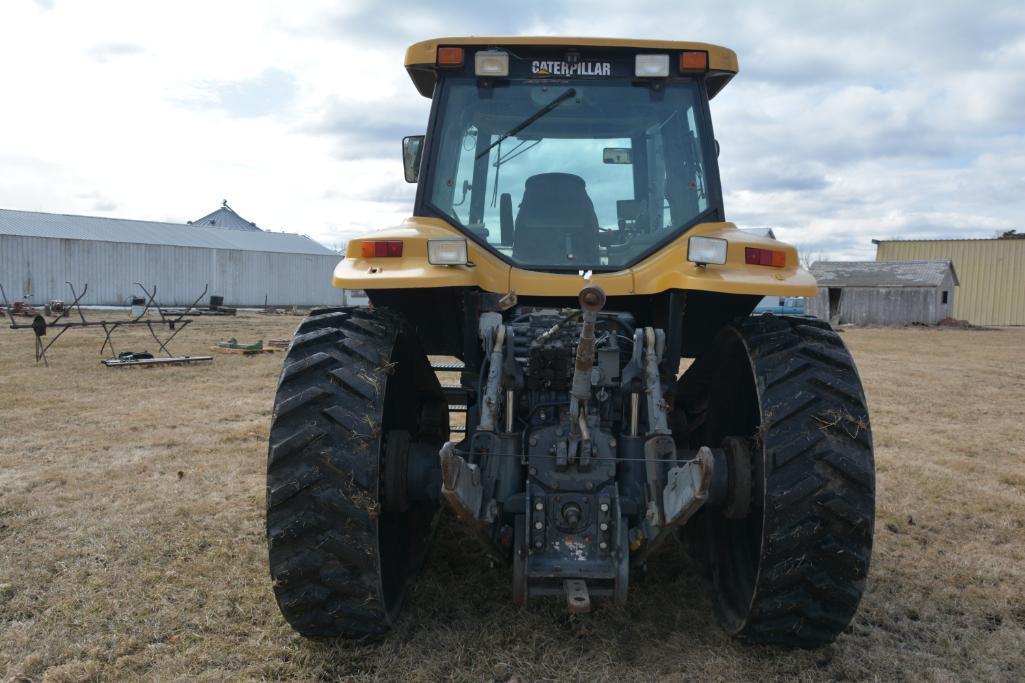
(569, 269)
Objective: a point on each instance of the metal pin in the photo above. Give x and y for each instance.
(510, 411)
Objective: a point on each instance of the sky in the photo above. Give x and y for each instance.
(847, 122)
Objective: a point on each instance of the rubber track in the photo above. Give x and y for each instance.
(818, 501)
(323, 474)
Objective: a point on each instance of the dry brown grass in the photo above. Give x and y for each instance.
(132, 545)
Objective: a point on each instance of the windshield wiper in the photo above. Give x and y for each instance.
(529, 120)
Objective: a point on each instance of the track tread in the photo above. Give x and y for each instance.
(299, 400)
(819, 496)
(365, 386)
(323, 511)
(835, 497)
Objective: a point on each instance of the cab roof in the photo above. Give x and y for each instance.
(421, 57)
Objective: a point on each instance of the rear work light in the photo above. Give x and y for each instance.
(450, 56)
(704, 250)
(491, 63)
(765, 257)
(381, 248)
(651, 66)
(447, 252)
(694, 60)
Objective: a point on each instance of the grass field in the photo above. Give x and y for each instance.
(132, 542)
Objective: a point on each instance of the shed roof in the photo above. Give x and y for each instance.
(225, 217)
(1015, 235)
(95, 228)
(882, 274)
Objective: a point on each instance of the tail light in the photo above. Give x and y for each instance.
(765, 257)
(381, 248)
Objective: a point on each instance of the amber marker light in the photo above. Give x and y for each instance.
(693, 60)
(381, 248)
(450, 56)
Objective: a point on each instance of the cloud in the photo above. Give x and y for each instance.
(847, 122)
(99, 202)
(407, 21)
(106, 52)
(364, 128)
(270, 92)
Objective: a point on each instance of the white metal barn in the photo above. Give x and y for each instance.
(40, 252)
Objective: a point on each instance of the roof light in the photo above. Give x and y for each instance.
(381, 248)
(651, 66)
(765, 257)
(693, 60)
(450, 56)
(702, 250)
(491, 63)
(447, 252)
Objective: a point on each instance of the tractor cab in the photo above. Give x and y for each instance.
(557, 157)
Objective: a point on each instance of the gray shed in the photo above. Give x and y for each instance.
(876, 293)
(39, 252)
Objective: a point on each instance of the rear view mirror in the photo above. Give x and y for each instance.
(617, 155)
(412, 150)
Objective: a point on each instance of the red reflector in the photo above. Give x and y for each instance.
(450, 56)
(381, 249)
(765, 257)
(693, 61)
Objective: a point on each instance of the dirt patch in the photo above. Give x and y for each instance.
(131, 524)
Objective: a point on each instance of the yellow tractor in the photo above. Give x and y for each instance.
(568, 246)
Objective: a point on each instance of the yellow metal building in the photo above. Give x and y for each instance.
(991, 274)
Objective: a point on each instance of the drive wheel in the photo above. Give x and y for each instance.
(341, 557)
(793, 570)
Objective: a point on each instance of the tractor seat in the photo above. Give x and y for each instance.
(556, 223)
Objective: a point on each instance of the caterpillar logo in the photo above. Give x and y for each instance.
(548, 68)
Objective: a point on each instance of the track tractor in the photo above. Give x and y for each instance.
(568, 261)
